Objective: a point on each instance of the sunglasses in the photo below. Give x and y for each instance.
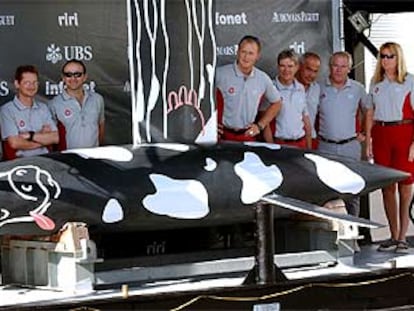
(73, 74)
(387, 56)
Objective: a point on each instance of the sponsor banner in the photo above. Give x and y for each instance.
(174, 66)
(302, 25)
(93, 31)
(153, 61)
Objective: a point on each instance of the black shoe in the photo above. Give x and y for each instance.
(388, 245)
(402, 247)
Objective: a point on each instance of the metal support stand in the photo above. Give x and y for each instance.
(264, 271)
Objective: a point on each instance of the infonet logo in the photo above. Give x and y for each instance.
(52, 89)
(55, 53)
(231, 19)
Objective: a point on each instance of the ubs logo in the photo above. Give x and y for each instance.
(55, 53)
(4, 88)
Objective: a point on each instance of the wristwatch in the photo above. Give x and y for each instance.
(261, 127)
(31, 134)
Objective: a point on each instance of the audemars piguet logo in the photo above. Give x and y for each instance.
(227, 50)
(295, 17)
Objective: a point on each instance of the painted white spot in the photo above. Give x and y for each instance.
(113, 153)
(211, 165)
(113, 211)
(261, 144)
(186, 199)
(258, 179)
(336, 175)
(168, 146)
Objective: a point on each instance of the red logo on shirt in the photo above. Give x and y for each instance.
(22, 124)
(376, 90)
(67, 112)
(231, 90)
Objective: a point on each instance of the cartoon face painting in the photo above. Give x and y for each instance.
(39, 192)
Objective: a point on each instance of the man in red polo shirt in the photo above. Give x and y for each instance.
(240, 90)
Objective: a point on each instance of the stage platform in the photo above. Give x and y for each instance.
(367, 280)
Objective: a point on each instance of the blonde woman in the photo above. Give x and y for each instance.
(390, 125)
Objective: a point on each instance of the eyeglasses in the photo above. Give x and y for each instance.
(387, 56)
(30, 83)
(73, 74)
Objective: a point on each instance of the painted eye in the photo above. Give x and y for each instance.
(21, 172)
(26, 188)
(4, 213)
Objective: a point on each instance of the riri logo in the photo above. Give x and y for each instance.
(68, 20)
(6, 20)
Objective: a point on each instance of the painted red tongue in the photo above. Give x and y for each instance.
(43, 221)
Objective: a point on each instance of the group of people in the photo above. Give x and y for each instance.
(73, 119)
(335, 115)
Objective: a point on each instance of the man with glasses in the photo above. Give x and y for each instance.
(27, 127)
(79, 112)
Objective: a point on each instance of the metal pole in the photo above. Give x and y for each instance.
(265, 244)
